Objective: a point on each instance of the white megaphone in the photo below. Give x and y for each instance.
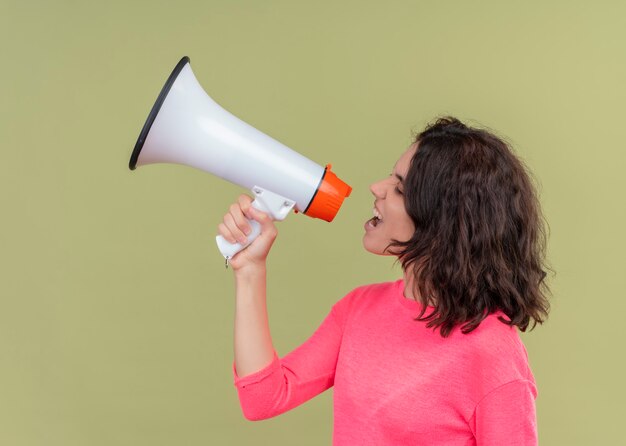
(187, 127)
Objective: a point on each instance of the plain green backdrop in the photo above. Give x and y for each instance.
(116, 312)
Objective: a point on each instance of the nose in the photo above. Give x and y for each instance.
(377, 189)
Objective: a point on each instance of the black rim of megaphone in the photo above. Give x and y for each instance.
(155, 111)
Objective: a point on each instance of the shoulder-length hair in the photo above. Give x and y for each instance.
(479, 240)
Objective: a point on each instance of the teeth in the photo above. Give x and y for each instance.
(377, 214)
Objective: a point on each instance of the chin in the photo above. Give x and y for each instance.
(374, 248)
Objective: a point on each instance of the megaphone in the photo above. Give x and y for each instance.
(186, 126)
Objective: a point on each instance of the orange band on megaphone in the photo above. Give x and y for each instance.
(329, 196)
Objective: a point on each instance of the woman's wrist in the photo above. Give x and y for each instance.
(250, 273)
(250, 284)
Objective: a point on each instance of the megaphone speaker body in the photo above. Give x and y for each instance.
(187, 127)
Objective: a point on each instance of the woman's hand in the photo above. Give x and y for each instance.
(235, 228)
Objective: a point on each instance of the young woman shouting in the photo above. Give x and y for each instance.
(435, 357)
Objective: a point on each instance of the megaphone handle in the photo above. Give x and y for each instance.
(266, 201)
(229, 250)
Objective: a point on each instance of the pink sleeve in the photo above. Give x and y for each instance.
(299, 376)
(507, 416)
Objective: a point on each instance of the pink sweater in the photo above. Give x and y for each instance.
(397, 382)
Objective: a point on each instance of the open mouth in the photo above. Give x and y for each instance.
(377, 219)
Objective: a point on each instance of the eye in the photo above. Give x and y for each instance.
(398, 190)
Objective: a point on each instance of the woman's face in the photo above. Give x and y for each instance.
(390, 220)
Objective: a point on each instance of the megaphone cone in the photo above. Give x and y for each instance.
(186, 126)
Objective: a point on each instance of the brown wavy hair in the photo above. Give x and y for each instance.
(479, 241)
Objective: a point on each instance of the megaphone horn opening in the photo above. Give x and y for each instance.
(155, 111)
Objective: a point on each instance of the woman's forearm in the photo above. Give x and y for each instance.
(253, 342)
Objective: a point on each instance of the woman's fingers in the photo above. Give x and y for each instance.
(233, 228)
(225, 232)
(240, 219)
(235, 225)
(245, 203)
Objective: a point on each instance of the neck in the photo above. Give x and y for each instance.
(409, 281)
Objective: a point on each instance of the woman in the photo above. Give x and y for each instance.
(435, 357)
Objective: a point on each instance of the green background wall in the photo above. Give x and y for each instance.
(116, 312)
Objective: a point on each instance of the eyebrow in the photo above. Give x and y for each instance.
(400, 177)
